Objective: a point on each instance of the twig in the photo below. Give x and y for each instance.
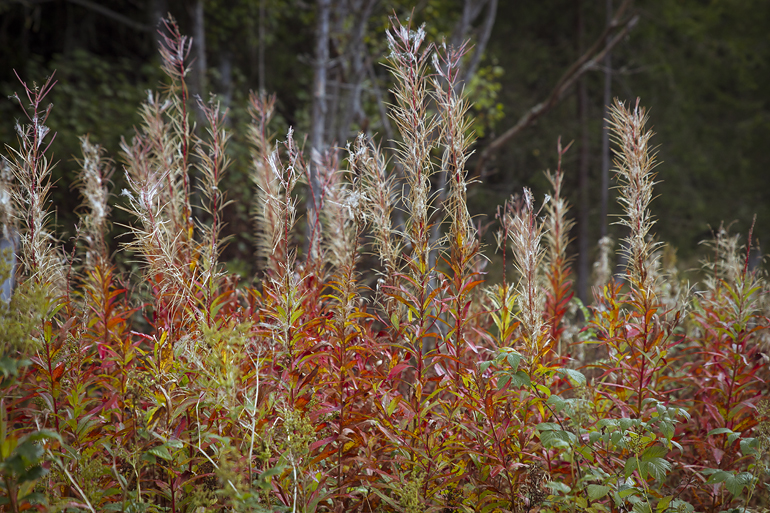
(587, 61)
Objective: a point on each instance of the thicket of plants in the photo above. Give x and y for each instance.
(318, 388)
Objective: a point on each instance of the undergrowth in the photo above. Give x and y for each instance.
(327, 385)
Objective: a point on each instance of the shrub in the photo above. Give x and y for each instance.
(183, 389)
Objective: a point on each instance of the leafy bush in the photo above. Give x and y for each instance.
(325, 386)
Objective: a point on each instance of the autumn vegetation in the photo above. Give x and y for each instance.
(368, 366)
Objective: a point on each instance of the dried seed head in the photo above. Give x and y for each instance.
(635, 162)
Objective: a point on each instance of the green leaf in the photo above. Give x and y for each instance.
(557, 402)
(654, 451)
(719, 477)
(667, 428)
(628, 491)
(520, 379)
(161, 451)
(558, 487)
(606, 423)
(657, 468)
(556, 438)
(513, 360)
(483, 366)
(575, 376)
(641, 507)
(663, 503)
(749, 446)
(719, 431)
(392, 405)
(263, 480)
(736, 484)
(597, 491)
(630, 466)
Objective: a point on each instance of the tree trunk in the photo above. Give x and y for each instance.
(583, 169)
(318, 123)
(357, 52)
(606, 131)
(199, 47)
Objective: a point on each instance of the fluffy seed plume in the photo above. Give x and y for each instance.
(635, 162)
(408, 62)
(526, 234)
(95, 172)
(31, 170)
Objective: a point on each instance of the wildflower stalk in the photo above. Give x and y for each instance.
(158, 174)
(557, 227)
(94, 177)
(174, 51)
(31, 170)
(344, 223)
(526, 234)
(635, 162)
(408, 62)
(455, 141)
(212, 162)
(377, 191)
(266, 215)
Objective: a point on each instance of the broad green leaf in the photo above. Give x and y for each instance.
(654, 451)
(657, 468)
(160, 451)
(597, 491)
(606, 422)
(520, 379)
(558, 487)
(483, 366)
(513, 360)
(557, 402)
(628, 491)
(641, 507)
(736, 484)
(630, 466)
(667, 429)
(718, 477)
(719, 431)
(749, 446)
(574, 375)
(556, 438)
(663, 503)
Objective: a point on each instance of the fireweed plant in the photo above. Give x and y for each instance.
(183, 390)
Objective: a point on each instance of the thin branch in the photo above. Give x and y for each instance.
(587, 61)
(109, 13)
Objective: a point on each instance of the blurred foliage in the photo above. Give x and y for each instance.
(705, 67)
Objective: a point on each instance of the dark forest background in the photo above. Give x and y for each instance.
(702, 67)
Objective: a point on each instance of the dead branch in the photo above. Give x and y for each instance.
(590, 58)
